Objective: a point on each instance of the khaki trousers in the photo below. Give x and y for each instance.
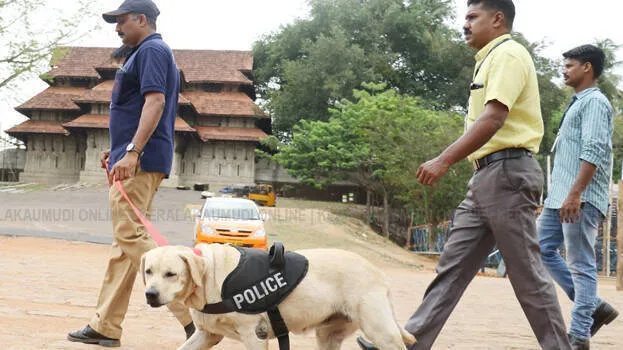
(130, 241)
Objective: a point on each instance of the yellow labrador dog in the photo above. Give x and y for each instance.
(342, 292)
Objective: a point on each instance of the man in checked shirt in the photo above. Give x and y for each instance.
(578, 198)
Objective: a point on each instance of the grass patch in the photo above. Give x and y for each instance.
(306, 204)
(26, 187)
(357, 211)
(35, 187)
(302, 228)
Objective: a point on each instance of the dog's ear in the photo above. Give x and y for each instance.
(142, 268)
(196, 267)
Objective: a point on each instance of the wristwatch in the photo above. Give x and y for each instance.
(132, 148)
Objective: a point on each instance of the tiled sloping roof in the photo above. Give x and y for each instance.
(215, 66)
(100, 93)
(223, 103)
(207, 133)
(109, 64)
(100, 121)
(181, 100)
(91, 121)
(80, 62)
(53, 98)
(197, 65)
(182, 126)
(38, 127)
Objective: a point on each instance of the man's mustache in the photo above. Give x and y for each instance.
(467, 32)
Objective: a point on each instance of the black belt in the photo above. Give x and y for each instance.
(507, 153)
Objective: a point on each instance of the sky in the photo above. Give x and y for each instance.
(236, 24)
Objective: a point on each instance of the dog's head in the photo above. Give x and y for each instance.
(170, 273)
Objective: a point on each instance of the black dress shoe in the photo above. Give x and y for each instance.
(364, 344)
(579, 344)
(603, 315)
(189, 329)
(88, 335)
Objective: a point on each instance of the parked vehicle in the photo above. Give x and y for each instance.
(207, 194)
(263, 194)
(241, 191)
(226, 190)
(235, 221)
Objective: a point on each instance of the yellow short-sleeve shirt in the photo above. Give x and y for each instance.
(508, 76)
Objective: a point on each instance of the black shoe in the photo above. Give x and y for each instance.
(88, 335)
(579, 344)
(189, 329)
(364, 344)
(604, 314)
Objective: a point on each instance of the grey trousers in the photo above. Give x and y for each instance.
(499, 209)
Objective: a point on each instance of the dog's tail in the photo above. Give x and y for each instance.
(407, 337)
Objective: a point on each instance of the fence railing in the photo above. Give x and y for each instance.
(423, 239)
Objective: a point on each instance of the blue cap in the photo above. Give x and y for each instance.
(144, 7)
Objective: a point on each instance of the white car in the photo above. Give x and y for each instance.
(236, 221)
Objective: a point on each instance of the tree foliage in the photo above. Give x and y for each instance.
(378, 142)
(609, 81)
(31, 29)
(308, 67)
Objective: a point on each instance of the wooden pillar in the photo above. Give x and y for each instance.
(620, 237)
(607, 228)
(608, 225)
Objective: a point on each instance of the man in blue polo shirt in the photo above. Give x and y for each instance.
(142, 117)
(578, 199)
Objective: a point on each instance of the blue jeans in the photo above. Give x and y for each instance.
(578, 276)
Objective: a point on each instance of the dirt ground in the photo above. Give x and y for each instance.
(49, 286)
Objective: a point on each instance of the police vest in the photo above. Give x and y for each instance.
(255, 285)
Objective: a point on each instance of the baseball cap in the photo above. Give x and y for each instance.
(145, 7)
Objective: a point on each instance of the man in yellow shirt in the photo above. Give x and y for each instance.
(503, 130)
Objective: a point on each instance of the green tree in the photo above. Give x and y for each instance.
(378, 142)
(609, 81)
(308, 67)
(430, 59)
(332, 68)
(31, 29)
(402, 134)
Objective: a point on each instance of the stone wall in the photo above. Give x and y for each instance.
(218, 163)
(53, 159)
(97, 141)
(12, 158)
(268, 172)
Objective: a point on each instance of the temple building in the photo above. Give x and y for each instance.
(217, 129)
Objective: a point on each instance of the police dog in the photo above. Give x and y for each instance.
(342, 292)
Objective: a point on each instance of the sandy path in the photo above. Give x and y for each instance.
(49, 287)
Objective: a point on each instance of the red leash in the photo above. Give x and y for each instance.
(155, 234)
(148, 226)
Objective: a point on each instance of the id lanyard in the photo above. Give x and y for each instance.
(488, 53)
(573, 100)
(475, 86)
